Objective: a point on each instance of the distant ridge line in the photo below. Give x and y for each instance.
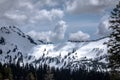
(76, 41)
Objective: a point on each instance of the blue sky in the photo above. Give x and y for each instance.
(58, 20)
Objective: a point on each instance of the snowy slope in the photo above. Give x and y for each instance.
(17, 46)
(71, 54)
(14, 43)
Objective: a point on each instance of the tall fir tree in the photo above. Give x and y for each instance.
(31, 76)
(114, 43)
(1, 76)
(49, 75)
(7, 73)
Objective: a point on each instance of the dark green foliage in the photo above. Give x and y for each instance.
(28, 72)
(1, 76)
(114, 75)
(49, 75)
(114, 43)
(31, 76)
(7, 72)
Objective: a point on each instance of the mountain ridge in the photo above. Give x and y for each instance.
(17, 46)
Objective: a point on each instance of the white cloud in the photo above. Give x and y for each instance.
(57, 13)
(26, 4)
(45, 36)
(59, 30)
(34, 13)
(45, 15)
(50, 3)
(103, 28)
(16, 16)
(88, 6)
(24, 12)
(51, 36)
(79, 36)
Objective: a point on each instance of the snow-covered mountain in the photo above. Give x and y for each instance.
(17, 46)
(72, 54)
(14, 43)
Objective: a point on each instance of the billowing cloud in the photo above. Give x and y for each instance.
(23, 12)
(45, 15)
(59, 30)
(45, 36)
(50, 3)
(79, 36)
(103, 28)
(51, 36)
(88, 6)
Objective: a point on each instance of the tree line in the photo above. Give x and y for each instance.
(44, 72)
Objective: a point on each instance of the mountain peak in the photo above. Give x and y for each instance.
(11, 29)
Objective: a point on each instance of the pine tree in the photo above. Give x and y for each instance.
(7, 73)
(49, 75)
(1, 76)
(31, 76)
(114, 43)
